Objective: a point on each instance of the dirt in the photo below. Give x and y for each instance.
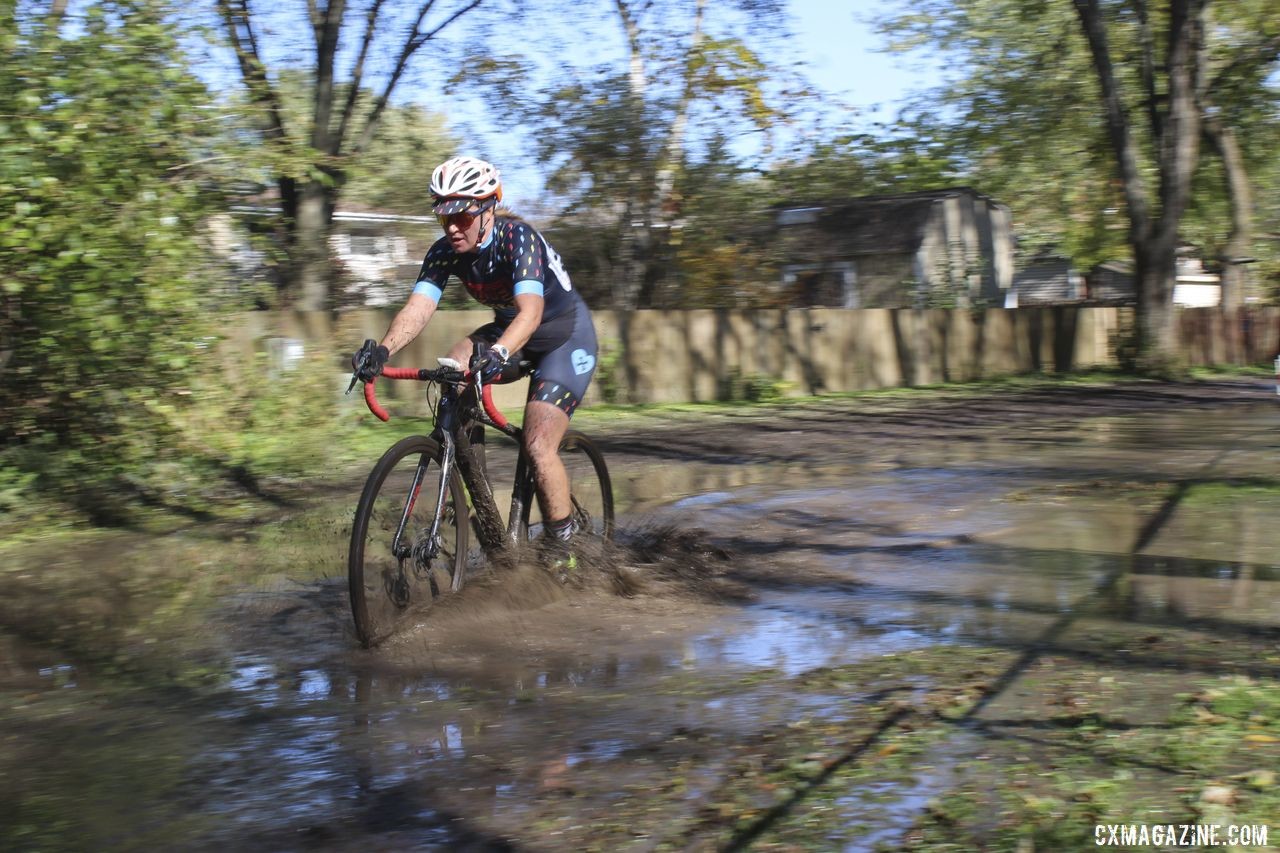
(821, 624)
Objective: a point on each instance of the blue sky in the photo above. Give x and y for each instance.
(845, 56)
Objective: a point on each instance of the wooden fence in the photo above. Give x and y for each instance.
(699, 355)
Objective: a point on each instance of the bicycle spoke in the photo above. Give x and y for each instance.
(590, 490)
(396, 563)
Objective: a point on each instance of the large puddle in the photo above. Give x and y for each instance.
(1086, 547)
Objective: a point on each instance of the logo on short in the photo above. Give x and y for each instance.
(583, 361)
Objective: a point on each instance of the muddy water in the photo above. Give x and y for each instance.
(539, 717)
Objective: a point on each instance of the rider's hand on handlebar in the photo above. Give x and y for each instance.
(489, 360)
(368, 361)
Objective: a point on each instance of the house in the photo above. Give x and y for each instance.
(934, 248)
(380, 253)
(377, 254)
(1196, 287)
(1112, 283)
(1047, 279)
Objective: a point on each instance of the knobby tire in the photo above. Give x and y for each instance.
(590, 488)
(385, 587)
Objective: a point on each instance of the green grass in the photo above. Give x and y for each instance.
(299, 435)
(1248, 371)
(1220, 493)
(614, 416)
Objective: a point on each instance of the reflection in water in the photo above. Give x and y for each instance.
(803, 635)
(889, 809)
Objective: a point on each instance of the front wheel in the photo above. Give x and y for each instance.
(590, 490)
(409, 539)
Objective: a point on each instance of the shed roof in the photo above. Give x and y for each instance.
(880, 224)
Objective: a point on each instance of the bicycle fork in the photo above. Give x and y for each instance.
(521, 494)
(432, 544)
(488, 521)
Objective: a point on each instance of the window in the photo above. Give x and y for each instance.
(799, 215)
(830, 286)
(363, 244)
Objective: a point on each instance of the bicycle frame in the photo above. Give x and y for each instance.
(455, 418)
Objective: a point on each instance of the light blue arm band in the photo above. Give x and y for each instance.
(429, 290)
(529, 285)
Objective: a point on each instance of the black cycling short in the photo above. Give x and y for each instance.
(563, 352)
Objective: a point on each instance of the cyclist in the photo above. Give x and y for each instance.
(507, 265)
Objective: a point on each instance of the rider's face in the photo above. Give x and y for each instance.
(463, 230)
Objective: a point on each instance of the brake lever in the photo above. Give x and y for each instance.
(359, 366)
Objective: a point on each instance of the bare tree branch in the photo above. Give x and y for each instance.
(630, 24)
(357, 74)
(308, 200)
(426, 37)
(414, 41)
(239, 24)
(327, 28)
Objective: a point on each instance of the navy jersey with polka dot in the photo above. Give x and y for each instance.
(514, 259)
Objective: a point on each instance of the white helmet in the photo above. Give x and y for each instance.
(458, 182)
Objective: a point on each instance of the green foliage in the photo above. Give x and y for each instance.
(1019, 116)
(389, 175)
(724, 261)
(14, 485)
(912, 154)
(287, 422)
(753, 388)
(101, 266)
(1022, 107)
(392, 174)
(609, 368)
(621, 143)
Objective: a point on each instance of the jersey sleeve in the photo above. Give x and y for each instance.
(435, 271)
(528, 259)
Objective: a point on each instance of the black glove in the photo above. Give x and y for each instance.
(368, 361)
(489, 360)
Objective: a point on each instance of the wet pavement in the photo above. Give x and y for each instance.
(1140, 546)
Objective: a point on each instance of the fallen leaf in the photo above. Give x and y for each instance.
(1204, 716)
(1220, 795)
(1261, 779)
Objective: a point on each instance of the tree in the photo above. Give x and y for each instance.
(313, 162)
(1010, 121)
(1133, 146)
(409, 142)
(617, 139)
(1170, 81)
(102, 195)
(1234, 101)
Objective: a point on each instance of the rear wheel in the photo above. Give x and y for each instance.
(395, 563)
(590, 490)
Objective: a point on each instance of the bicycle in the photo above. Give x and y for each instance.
(409, 539)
